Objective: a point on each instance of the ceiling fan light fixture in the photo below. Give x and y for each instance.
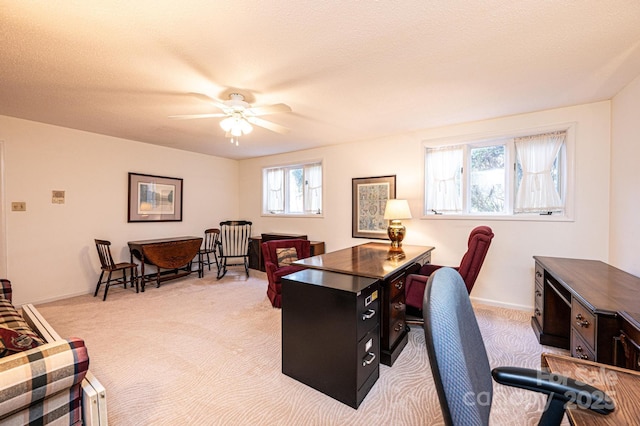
(227, 124)
(245, 126)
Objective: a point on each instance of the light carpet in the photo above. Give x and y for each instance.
(207, 352)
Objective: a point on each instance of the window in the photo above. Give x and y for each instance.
(516, 175)
(292, 190)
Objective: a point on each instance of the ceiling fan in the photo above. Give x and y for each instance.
(240, 115)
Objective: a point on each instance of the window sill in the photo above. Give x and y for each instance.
(511, 218)
(293, 215)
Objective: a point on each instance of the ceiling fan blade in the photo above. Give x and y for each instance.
(268, 109)
(192, 116)
(268, 125)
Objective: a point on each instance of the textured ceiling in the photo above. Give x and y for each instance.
(350, 70)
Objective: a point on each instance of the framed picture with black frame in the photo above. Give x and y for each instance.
(154, 198)
(369, 198)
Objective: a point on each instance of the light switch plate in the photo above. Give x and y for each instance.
(19, 206)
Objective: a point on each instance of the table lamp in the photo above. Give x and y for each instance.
(395, 211)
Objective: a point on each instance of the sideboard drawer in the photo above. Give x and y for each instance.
(584, 323)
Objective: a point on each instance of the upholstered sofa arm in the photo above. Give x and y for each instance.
(31, 376)
(5, 289)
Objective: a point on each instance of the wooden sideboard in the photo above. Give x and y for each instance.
(390, 268)
(255, 250)
(587, 306)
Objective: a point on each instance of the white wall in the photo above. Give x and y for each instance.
(507, 276)
(50, 252)
(624, 236)
(50, 248)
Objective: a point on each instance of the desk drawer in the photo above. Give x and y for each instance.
(584, 323)
(396, 286)
(539, 274)
(539, 304)
(579, 348)
(396, 320)
(368, 310)
(368, 356)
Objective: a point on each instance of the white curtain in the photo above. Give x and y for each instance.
(313, 188)
(443, 179)
(536, 155)
(275, 190)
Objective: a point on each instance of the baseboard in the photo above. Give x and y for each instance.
(502, 304)
(56, 298)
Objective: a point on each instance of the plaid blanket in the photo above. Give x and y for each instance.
(43, 385)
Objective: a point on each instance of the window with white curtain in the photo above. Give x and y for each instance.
(516, 175)
(293, 189)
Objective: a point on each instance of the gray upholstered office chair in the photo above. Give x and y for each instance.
(461, 370)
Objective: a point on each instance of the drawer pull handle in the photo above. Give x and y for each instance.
(581, 321)
(368, 359)
(398, 327)
(398, 306)
(579, 353)
(538, 274)
(538, 293)
(399, 284)
(368, 315)
(538, 313)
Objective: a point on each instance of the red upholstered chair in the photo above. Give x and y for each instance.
(278, 254)
(478, 245)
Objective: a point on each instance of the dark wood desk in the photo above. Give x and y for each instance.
(174, 254)
(376, 260)
(622, 385)
(579, 305)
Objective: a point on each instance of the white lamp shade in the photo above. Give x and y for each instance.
(397, 209)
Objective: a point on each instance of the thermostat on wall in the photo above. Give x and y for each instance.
(57, 197)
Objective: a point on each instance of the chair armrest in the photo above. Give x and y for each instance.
(43, 371)
(5, 289)
(557, 386)
(286, 270)
(428, 269)
(414, 290)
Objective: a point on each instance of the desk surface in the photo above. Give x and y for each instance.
(161, 240)
(622, 385)
(371, 260)
(599, 286)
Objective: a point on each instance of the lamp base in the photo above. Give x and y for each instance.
(396, 232)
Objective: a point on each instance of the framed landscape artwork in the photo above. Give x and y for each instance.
(154, 198)
(369, 198)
